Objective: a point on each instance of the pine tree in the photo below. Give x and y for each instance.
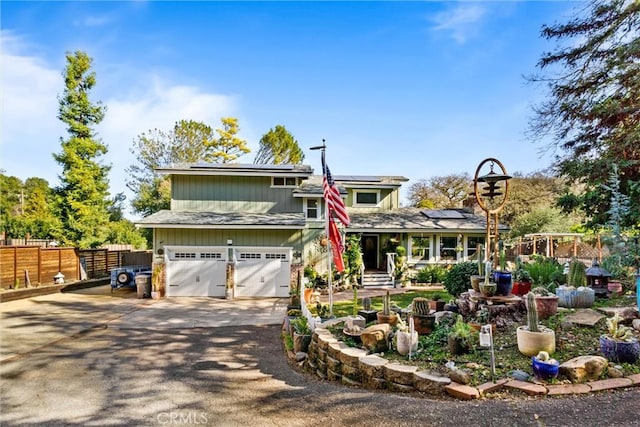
(83, 196)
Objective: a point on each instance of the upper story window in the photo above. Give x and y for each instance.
(366, 198)
(312, 208)
(284, 181)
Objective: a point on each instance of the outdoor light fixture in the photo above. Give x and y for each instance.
(490, 191)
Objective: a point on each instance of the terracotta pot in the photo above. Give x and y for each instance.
(547, 306)
(424, 325)
(391, 319)
(307, 294)
(436, 305)
(615, 287)
(532, 343)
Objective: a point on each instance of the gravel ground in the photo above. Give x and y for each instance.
(240, 376)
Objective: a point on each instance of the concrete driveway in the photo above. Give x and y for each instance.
(93, 359)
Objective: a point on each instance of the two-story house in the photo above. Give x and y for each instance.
(254, 226)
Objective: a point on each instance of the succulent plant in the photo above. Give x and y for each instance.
(420, 306)
(616, 330)
(532, 312)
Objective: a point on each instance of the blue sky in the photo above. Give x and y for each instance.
(418, 89)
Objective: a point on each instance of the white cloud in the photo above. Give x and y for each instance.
(459, 22)
(30, 131)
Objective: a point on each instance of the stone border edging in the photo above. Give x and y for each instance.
(331, 359)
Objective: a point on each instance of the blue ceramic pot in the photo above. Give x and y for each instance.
(619, 351)
(544, 370)
(503, 280)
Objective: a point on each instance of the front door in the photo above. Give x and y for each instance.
(370, 252)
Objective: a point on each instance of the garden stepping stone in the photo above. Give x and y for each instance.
(584, 316)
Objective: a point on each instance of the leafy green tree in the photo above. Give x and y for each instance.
(82, 202)
(125, 232)
(530, 191)
(188, 142)
(591, 113)
(277, 147)
(440, 192)
(228, 147)
(542, 219)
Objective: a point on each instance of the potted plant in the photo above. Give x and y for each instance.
(366, 312)
(461, 337)
(311, 275)
(521, 279)
(576, 294)
(437, 303)
(301, 334)
(502, 277)
(477, 278)
(544, 367)
(385, 316)
(487, 288)
(406, 338)
(355, 320)
(619, 345)
(534, 338)
(424, 321)
(482, 318)
(546, 302)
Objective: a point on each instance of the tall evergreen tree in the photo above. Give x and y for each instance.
(278, 147)
(593, 109)
(83, 196)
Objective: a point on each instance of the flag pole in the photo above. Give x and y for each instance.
(323, 148)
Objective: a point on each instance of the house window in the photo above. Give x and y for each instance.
(366, 198)
(288, 181)
(420, 248)
(313, 209)
(448, 248)
(472, 247)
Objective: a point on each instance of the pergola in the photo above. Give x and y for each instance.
(549, 238)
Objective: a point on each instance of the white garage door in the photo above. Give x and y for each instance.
(196, 272)
(262, 272)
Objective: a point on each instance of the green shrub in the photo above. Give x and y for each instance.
(457, 279)
(546, 272)
(433, 273)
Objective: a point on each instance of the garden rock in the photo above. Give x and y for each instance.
(614, 372)
(375, 337)
(584, 368)
(636, 324)
(584, 317)
(459, 376)
(300, 356)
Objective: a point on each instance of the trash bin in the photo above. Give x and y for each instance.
(143, 285)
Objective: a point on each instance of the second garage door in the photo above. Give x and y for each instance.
(262, 272)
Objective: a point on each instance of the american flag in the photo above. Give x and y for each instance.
(332, 196)
(337, 248)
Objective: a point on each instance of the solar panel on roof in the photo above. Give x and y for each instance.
(443, 214)
(356, 178)
(241, 166)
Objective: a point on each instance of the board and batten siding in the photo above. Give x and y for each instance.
(214, 237)
(248, 194)
(389, 199)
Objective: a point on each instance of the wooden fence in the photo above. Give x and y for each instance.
(20, 265)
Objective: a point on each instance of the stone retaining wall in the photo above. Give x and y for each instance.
(332, 359)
